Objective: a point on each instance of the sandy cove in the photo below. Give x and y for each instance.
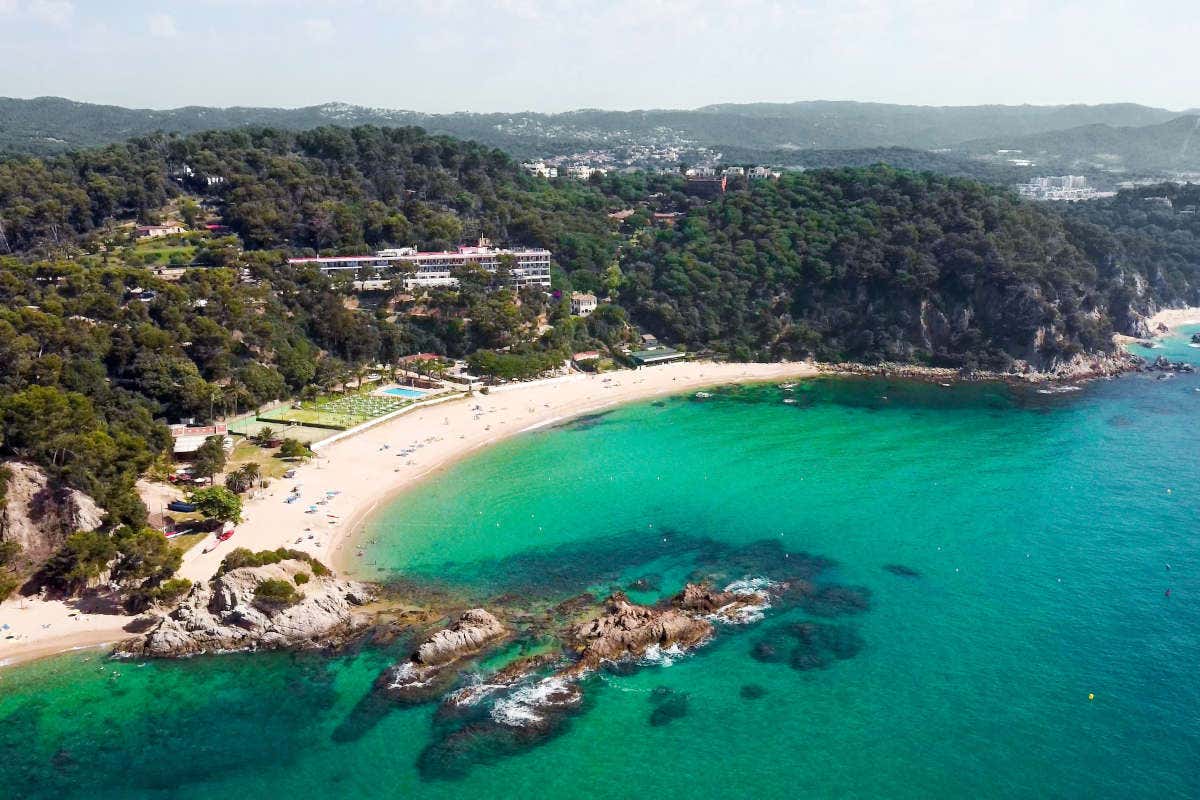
(1175, 318)
(366, 470)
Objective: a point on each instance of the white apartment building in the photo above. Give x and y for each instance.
(531, 267)
(541, 169)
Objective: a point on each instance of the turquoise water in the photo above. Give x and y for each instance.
(400, 391)
(1041, 526)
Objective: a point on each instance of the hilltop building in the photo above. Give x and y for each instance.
(582, 304)
(1060, 187)
(541, 169)
(707, 186)
(158, 231)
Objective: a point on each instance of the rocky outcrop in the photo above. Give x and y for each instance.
(728, 604)
(39, 515)
(627, 631)
(1164, 364)
(426, 673)
(473, 630)
(1080, 367)
(224, 616)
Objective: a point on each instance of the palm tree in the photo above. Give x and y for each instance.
(243, 478)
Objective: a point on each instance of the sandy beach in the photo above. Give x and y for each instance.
(1175, 318)
(350, 478)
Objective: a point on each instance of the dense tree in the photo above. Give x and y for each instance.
(217, 502)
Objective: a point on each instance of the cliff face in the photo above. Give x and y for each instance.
(226, 616)
(39, 515)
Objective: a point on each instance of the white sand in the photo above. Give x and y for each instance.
(365, 475)
(1175, 318)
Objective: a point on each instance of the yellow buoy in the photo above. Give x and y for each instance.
(1091, 696)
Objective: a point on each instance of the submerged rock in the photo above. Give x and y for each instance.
(669, 708)
(646, 583)
(902, 571)
(425, 674)
(752, 691)
(832, 601)
(224, 616)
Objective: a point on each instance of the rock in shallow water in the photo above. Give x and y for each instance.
(426, 673)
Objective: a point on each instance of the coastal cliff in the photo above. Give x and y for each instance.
(229, 614)
(38, 514)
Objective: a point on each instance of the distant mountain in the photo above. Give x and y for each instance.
(1172, 146)
(882, 124)
(50, 124)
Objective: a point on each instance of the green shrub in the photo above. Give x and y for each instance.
(290, 448)
(301, 578)
(9, 552)
(171, 590)
(8, 584)
(274, 593)
(243, 557)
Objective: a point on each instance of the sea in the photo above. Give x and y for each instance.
(1008, 584)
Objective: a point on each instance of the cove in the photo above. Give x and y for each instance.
(1013, 545)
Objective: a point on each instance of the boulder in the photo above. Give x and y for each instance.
(468, 635)
(427, 672)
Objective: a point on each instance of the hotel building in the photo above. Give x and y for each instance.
(529, 267)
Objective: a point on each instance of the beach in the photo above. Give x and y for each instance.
(1174, 318)
(348, 479)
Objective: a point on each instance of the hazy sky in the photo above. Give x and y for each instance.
(552, 55)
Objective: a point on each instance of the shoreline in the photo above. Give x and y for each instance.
(372, 467)
(367, 470)
(1173, 319)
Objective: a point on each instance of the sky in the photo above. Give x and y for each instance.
(556, 55)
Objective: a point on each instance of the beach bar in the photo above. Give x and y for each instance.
(656, 355)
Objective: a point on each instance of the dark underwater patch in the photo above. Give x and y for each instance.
(902, 571)
(834, 601)
(473, 737)
(668, 708)
(807, 645)
(752, 691)
(540, 574)
(583, 423)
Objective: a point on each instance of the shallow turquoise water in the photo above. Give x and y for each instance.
(1041, 526)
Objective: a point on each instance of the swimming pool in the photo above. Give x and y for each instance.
(402, 391)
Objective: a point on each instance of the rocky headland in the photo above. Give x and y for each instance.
(226, 615)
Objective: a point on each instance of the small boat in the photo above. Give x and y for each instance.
(225, 534)
(180, 505)
(703, 395)
(791, 401)
(787, 387)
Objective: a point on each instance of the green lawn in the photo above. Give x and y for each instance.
(337, 411)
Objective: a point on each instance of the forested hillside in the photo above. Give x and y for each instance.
(96, 350)
(881, 264)
(332, 188)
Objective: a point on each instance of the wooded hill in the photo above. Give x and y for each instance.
(866, 264)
